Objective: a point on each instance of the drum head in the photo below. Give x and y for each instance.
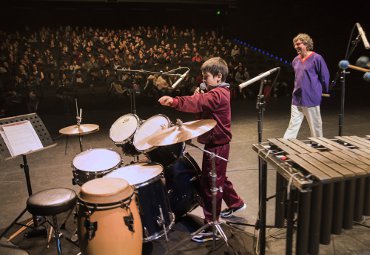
(124, 128)
(95, 160)
(148, 128)
(137, 174)
(105, 191)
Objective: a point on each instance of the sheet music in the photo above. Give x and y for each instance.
(20, 137)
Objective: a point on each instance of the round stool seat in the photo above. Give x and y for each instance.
(51, 201)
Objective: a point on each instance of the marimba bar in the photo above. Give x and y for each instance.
(328, 179)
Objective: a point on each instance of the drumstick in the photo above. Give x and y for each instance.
(29, 223)
(325, 95)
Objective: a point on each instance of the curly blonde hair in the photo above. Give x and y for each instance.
(305, 39)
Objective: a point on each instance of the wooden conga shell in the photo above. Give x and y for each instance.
(106, 205)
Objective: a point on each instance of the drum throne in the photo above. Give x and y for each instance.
(49, 203)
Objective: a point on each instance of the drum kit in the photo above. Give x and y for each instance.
(147, 194)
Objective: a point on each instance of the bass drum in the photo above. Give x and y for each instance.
(183, 185)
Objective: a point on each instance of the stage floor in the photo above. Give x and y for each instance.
(53, 168)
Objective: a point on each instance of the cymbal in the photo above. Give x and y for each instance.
(181, 132)
(82, 129)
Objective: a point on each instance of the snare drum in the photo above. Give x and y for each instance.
(122, 133)
(155, 213)
(164, 155)
(108, 218)
(94, 163)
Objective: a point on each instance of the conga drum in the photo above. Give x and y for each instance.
(108, 218)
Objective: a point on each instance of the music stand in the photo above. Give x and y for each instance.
(5, 154)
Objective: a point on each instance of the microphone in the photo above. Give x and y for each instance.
(344, 64)
(261, 76)
(203, 87)
(363, 36)
(180, 79)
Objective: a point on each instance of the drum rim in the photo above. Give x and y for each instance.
(106, 206)
(133, 133)
(143, 123)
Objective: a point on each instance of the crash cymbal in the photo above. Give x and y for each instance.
(82, 129)
(181, 132)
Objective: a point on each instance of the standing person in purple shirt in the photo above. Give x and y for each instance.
(214, 103)
(311, 79)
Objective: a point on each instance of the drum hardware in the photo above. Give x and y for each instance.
(79, 129)
(129, 221)
(216, 227)
(161, 222)
(91, 227)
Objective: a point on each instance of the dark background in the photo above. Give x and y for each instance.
(268, 25)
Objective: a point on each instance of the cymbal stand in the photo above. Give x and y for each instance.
(79, 119)
(216, 227)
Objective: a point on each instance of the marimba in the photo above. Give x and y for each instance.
(325, 182)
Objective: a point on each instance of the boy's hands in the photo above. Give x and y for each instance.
(166, 100)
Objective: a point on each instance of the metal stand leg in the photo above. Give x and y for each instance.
(66, 146)
(80, 141)
(215, 224)
(56, 234)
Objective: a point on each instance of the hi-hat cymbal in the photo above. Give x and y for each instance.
(181, 132)
(82, 129)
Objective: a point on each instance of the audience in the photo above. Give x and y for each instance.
(70, 58)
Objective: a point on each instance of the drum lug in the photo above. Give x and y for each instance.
(146, 232)
(129, 222)
(91, 227)
(170, 191)
(160, 221)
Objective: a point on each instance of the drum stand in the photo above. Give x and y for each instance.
(216, 227)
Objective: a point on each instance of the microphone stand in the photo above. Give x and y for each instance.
(262, 170)
(133, 99)
(133, 91)
(262, 173)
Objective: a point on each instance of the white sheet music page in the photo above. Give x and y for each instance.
(21, 138)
